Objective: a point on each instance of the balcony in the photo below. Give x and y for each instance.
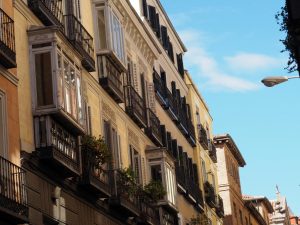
(149, 213)
(7, 41)
(168, 217)
(212, 151)
(160, 89)
(202, 136)
(81, 40)
(135, 106)
(153, 130)
(195, 194)
(172, 106)
(124, 195)
(192, 136)
(57, 146)
(110, 78)
(95, 180)
(180, 178)
(220, 207)
(210, 197)
(49, 12)
(13, 194)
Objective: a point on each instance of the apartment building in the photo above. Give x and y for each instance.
(238, 209)
(13, 209)
(113, 69)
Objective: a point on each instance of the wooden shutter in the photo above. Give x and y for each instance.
(164, 37)
(157, 29)
(152, 17)
(164, 135)
(145, 9)
(151, 97)
(180, 153)
(135, 78)
(180, 64)
(195, 170)
(170, 50)
(169, 139)
(174, 148)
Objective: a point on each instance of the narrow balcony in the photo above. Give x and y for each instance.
(212, 151)
(210, 197)
(49, 12)
(57, 146)
(154, 130)
(135, 106)
(13, 194)
(160, 89)
(110, 78)
(94, 179)
(220, 207)
(168, 217)
(124, 195)
(202, 136)
(191, 136)
(7, 41)
(180, 178)
(149, 213)
(81, 40)
(172, 106)
(195, 194)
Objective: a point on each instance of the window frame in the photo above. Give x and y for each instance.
(3, 117)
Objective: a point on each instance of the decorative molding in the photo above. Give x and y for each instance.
(9, 76)
(26, 12)
(133, 139)
(108, 112)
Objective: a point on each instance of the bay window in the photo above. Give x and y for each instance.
(57, 82)
(110, 32)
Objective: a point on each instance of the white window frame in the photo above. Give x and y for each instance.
(3, 117)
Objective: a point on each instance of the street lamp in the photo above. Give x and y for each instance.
(274, 80)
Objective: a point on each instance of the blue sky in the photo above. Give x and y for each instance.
(232, 46)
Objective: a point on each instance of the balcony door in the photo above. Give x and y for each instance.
(3, 123)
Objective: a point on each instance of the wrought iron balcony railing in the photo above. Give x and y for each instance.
(81, 40)
(210, 197)
(7, 41)
(124, 193)
(154, 130)
(220, 207)
(212, 151)
(49, 12)
(13, 194)
(110, 78)
(95, 179)
(160, 89)
(57, 145)
(135, 106)
(202, 136)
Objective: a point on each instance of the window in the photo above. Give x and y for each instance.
(43, 73)
(110, 32)
(113, 141)
(203, 168)
(234, 210)
(3, 131)
(135, 164)
(57, 82)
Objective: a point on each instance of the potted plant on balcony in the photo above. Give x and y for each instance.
(95, 152)
(154, 191)
(127, 181)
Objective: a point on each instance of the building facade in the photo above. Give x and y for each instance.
(13, 205)
(112, 69)
(281, 213)
(238, 209)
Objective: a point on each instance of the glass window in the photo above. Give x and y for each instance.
(43, 74)
(156, 173)
(102, 29)
(67, 87)
(170, 184)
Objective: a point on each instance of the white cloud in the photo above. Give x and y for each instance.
(252, 61)
(207, 67)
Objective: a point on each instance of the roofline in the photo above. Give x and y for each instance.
(263, 199)
(255, 212)
(228, 140)
(172, 27)
(197, 92)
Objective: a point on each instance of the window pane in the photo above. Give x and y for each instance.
(79, 99)
(43, 73)
(67, 87)
(73, 93)
(156, 173)
(102, 29)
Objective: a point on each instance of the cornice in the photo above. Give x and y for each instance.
(9, 76)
